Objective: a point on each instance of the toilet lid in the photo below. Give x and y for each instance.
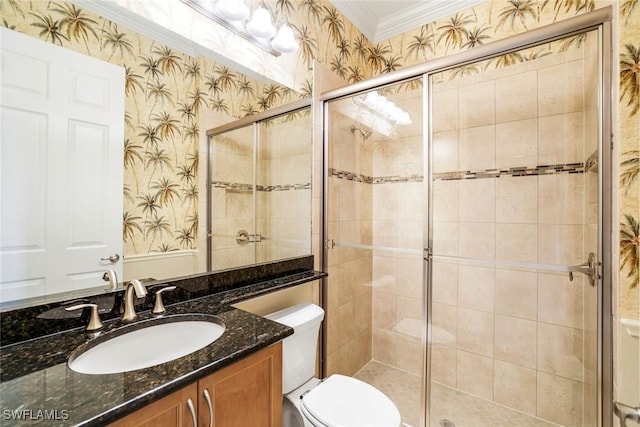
(348, 402)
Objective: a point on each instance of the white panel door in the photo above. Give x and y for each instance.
(61, 153)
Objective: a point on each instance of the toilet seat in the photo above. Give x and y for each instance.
(342, 401)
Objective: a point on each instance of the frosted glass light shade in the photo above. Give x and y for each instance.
(285, 42)
(260, 25)
(232, 10)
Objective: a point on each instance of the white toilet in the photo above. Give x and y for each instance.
(337, 401)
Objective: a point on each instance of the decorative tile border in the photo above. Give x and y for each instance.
(248, 188)
(285, 187)
(233, 186)
(350, 176)
(514, 172)
(397, 179)
(591, 162)
(460, 175)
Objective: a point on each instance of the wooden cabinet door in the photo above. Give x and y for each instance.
(247, 393)
(170, 411)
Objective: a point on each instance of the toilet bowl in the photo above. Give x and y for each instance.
(337, 401)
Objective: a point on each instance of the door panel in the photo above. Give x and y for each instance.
(515, 196)
(376, 209)
(62, 168)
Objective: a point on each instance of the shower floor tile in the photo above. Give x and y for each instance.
(460, 408)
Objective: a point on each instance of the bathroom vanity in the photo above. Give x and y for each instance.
(241, 368)
(240, 372)
(246, 393)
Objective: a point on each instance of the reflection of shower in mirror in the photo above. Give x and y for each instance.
(364, 133)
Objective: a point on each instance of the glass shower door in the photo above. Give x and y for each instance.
(514, 222)
(232, 200)
(375, 228)
(283, 186)
(260, 189)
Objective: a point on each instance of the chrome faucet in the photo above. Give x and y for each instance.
(134, 286)
(111, 277)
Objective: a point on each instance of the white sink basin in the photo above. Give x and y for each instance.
(159, 341)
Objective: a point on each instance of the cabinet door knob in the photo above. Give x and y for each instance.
(194, 420)
(208, 399)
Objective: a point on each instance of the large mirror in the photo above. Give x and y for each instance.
(171, 99)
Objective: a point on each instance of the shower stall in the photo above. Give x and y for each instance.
(259, 188)
(467, 232)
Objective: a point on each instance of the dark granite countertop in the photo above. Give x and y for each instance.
(34, 376)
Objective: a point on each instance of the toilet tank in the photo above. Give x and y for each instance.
(299, 350)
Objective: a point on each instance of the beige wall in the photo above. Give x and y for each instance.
(285, 159)
(282, 299)
(349, 301)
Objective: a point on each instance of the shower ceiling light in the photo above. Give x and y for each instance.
(380, 105)
(258, 29)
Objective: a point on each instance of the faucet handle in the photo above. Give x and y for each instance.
(94, 321)
(158, 307)
(111, 277)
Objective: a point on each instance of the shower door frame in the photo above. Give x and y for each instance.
(599, 20)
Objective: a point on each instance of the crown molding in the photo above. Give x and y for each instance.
(379, 28)
(360, 15)
(415, 16)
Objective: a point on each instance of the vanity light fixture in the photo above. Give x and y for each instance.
(232, 10)
(258, 28)
(380, 105)
(260, 25)
(285, 42)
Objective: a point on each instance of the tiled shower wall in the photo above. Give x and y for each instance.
(376, 200)
(283, 196)
(515, 336)
(348, 345)
(231, 197)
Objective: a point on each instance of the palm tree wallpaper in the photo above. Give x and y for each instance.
(166, 90)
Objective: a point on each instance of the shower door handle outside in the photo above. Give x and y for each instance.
(589, 268)
(625, 412)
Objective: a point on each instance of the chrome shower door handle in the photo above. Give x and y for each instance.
(589, 268)
(242, 237)
(111, 258)
(625, 412)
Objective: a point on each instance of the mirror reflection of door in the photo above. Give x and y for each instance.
(61, 142)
